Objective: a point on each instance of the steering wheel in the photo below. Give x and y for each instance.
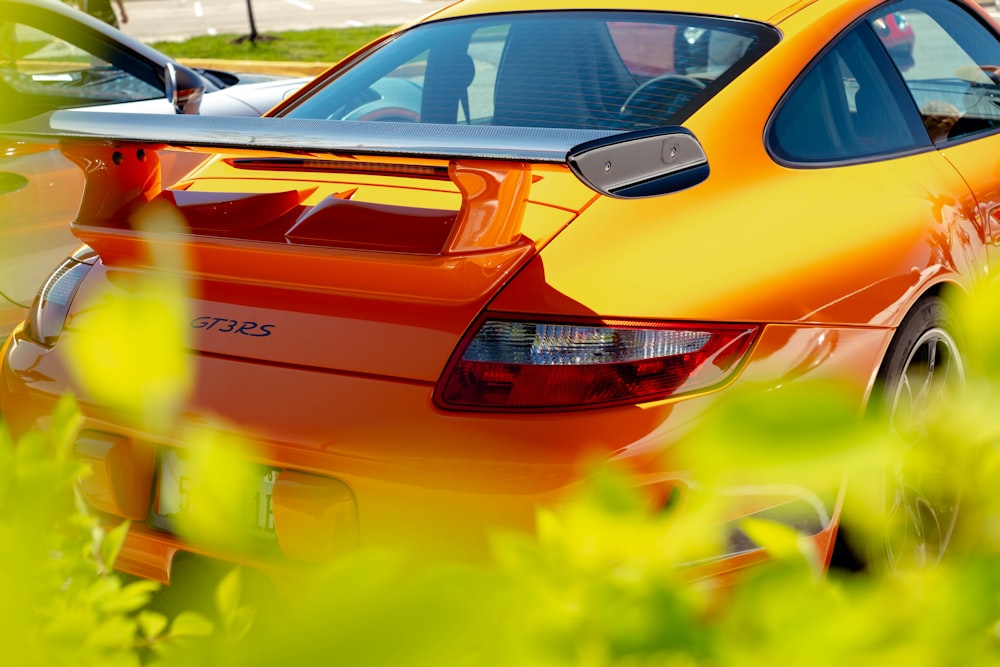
(660, 97)
(393, 114)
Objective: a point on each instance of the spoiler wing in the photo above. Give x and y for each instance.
(620, 164)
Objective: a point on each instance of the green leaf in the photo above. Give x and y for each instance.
(781, 541)
(110, 352)
(151, 623)
(65, 426)
(102, 590)
(7, 468)
(191, 624)
(111, 545)
(228, 595)
(240, 624)
(133, 596)
(116, 632)
(70, 626)
(32, 447)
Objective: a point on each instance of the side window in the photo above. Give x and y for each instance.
(953, 72)
(849, 105)
(43, 71)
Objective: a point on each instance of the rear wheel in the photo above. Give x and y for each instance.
(923, 367)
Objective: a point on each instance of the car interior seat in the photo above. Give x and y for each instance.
(575, 84)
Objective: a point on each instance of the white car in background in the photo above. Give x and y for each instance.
(55, 57)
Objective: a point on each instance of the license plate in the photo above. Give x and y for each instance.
(176, 500)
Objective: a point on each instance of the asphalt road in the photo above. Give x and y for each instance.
(159, 20)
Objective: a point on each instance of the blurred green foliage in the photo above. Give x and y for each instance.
(602, 583)
(606, 581)
(62, 603)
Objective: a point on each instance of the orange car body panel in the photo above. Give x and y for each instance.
(528, 239)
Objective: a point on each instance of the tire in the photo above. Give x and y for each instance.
(923, 367)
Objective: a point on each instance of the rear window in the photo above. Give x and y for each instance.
(581, 70)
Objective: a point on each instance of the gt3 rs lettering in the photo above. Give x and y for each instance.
(225, 325)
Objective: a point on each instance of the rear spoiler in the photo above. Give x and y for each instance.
(641, 163)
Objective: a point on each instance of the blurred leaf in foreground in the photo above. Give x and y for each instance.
(129, 348)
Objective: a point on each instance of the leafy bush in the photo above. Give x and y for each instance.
(63, 604)
(601, 584)
(605, 581)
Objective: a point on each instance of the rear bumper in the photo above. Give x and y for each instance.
(433, 483)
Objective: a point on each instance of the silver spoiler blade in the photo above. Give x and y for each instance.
(319, 136)
(622, 164)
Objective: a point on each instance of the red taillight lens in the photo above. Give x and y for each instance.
(519, 365)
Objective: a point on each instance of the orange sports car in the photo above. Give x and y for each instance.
(434, 284)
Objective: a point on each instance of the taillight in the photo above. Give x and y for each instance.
(525, 365)
(48, 313)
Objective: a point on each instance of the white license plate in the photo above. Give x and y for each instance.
(175, 499)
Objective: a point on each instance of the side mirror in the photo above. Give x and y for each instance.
(184, 89)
